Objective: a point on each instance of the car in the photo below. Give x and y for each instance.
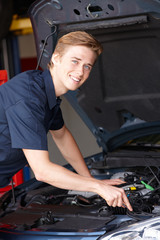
(120, 104)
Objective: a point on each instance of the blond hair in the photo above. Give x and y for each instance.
(81, 38)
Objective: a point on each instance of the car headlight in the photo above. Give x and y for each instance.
(148, 229)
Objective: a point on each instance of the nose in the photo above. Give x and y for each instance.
(80, 70)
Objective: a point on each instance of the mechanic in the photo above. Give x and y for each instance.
(30, 107)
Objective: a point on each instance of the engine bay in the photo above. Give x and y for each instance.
(43, 207)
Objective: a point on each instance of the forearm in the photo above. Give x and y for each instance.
(58, 176)
(53, 174)
(71, 153)
(63, 178)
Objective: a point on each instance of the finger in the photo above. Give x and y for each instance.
(127, 203)
(118, 182)
(113, 181)
(120, 202)
(110, 203)
(124, 205)
(114, 204)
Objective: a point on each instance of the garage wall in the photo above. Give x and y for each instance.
(84, 138)
(82, 134)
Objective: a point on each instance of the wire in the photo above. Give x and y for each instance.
(147, 165)
(44, 44)
(154, 174)
(13, 193)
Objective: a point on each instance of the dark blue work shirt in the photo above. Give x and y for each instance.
(28, 110)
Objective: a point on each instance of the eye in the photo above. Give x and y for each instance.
(87, 67)
(74, 61)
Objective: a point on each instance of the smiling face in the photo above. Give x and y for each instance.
(72, 69)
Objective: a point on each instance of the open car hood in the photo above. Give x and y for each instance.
(121, 99)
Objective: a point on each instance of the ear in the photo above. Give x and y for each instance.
(55, 58)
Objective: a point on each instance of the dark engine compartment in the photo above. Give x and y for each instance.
(41, 207)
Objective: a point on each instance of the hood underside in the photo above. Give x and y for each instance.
(125, 82)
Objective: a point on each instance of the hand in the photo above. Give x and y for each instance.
(114, 196)
(113, 181)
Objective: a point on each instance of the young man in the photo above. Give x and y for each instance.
(29, 108)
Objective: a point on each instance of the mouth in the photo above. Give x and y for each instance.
(75, 79)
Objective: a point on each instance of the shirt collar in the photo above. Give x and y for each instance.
(49, 86)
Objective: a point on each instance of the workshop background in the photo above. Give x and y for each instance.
(18, 54)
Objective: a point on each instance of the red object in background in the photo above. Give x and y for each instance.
(17, 180)
(3, 76)
(18, 177)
